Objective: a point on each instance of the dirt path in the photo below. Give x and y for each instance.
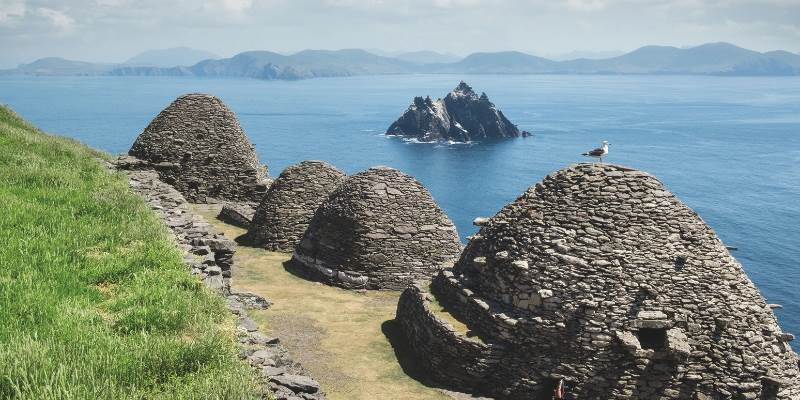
(339, 336)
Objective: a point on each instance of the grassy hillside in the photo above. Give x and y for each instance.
(94, 299)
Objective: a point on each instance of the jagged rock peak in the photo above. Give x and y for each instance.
(461, 116)
(464, 88)
(197, 145)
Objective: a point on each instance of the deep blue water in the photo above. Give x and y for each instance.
(727, 146)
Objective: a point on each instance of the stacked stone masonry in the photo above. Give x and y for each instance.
(237, 214)
(379, 229)
(286, 210)
(602, 278)
(209, 255)
(450, 357)
(197, 146)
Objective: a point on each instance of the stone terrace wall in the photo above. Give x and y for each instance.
(380, 229)
(197, 146)
(450, 357)
(286, 210)
(601, 277)
(210, 256)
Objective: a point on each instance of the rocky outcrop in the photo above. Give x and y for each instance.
(601, 278)
(380, 229)
(198, 147)
(286, 210)
(461, 116)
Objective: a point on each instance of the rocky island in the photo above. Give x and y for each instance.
(462, 116)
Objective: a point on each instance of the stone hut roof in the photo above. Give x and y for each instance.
(380, 229)
(601, 277)
(197, 146)
(286, 210)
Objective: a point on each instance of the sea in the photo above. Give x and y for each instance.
(729, 147)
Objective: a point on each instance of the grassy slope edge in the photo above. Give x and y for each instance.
(94, 299)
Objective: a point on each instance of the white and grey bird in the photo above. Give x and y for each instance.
(598, 152)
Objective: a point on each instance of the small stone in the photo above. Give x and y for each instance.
(248, 324)
(213, 270)
(297, 383)
(270, 371)
(520, 264)
(480, 221)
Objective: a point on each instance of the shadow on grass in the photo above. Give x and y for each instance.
(402, 351)
(295, 269)
(412, 366)
(409, 363)
(245, 240)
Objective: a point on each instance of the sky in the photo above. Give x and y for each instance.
(115, 30)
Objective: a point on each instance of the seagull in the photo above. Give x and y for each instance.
(598, 152)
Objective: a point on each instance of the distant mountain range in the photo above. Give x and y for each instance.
(59, 66)
(171, 57)
(707, 59)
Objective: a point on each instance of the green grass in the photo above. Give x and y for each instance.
(340, 336)
(94, 299)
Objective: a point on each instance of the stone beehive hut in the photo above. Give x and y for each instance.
(600, 277)
(380, 229)
(197, 146)
(284, 213)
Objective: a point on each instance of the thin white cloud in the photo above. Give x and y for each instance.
(455, 3)
(112, 3)
(587, 5)
(10, 10)
(116, 29)
(57, 19)
(230, 6)
(353, 3)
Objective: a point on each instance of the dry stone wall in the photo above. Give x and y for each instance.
(286, 210)
(198, 147)
(380, 229)
(209, 255)
(602, 278)
(450, 357)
